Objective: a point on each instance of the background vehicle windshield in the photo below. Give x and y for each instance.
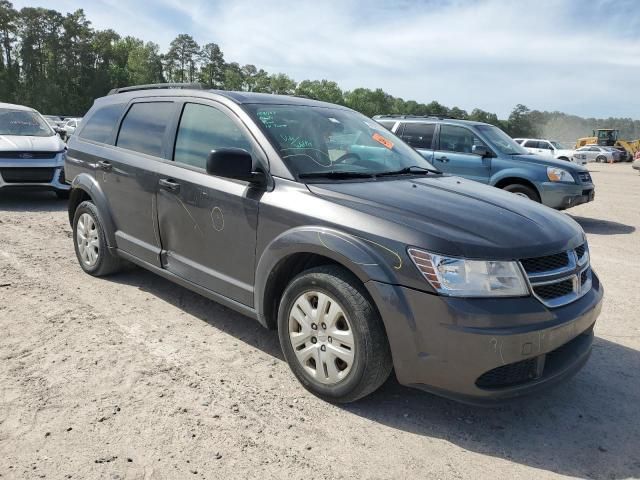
(316, 140)
(501, 141)
(23, 123)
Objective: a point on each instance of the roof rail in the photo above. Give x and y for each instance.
(152, 86)
(397, 115)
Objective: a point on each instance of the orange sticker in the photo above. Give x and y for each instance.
(380, 139)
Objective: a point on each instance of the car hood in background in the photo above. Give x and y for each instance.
(454, 216)
(550, 162)
(20, 143)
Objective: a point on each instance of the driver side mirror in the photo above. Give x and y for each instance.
(481, 151)
(235, 163)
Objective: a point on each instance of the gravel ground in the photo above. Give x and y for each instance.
(134, 377)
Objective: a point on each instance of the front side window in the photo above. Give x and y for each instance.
(99, 126)
(387, 124)
(500, 140)
(458, 139)
(419, 135)
(321, 140)
(144, 126)
(202, 129)
(23, 123)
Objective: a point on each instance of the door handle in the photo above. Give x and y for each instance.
(104, 165)
(169, 184)
(443, 159)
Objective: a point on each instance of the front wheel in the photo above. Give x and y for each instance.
(523, 191)
(331, 335)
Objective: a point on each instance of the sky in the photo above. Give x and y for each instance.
(575, 56)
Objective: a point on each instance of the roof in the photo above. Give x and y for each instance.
(430, 119)
(16, 107)
(161, 90)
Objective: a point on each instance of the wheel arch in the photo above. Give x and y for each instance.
(511, 180)
(302, 248)
(84, 187)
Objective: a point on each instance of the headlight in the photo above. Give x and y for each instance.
(459, 277)
(559, 175)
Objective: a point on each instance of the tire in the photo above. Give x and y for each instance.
(601, 159)
(357, 371)
(564, 158)
(523, 191)
(104, 262)
(63, 194)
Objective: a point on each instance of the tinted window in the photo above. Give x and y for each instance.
(544, 146)
(143, 127)
(388, 125)
(594, 149)
(518, 141)
(531, 144)
(100, 125)
(418, 135)
(457, 139)
(203, 129)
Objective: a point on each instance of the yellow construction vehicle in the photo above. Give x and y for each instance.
(608, 137)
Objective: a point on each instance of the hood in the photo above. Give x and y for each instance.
(550, 162)
(565, 151)
(20, 143)
(458, 217)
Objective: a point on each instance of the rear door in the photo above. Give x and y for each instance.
(454, 154)
(208, 224)
(420, 136)
(127, 175)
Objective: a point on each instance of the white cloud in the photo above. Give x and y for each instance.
(552, 55)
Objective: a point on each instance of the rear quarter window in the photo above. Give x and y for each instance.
(99, 126)
(143, 128)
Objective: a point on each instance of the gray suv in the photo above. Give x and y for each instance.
(318, 222)
(484, 153)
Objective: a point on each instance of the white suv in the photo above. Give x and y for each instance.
(548, 148)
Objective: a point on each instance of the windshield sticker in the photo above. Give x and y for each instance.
(380, 139)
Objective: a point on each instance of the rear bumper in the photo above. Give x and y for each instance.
(562, 195)
(484, 351)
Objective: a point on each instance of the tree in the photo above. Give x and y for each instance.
(212, 66)
(183, 55)
(233, 78)
(323, 90)
(282, 84)
(519, 123)
(369, 102)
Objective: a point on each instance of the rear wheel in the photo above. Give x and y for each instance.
(332, 336)
(523, 191)
(90, 242)
(601, 159)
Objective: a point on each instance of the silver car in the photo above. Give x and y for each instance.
(596, 153)
(31, 154)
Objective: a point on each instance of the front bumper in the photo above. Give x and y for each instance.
(45, 174)
(565, 195)
(483, 351)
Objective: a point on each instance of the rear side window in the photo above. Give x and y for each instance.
(458, 139)
(99, 126)
(387, 124)
(418, 135)
(144, 126)
(531, 144)
(202, 129)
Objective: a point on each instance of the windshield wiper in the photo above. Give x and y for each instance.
(335, 174)
(413, 169)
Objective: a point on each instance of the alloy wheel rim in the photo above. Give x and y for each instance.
(321, 337)
(87, 240)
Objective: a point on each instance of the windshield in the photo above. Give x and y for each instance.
(316, 141)
(23, 123)
(501, 141)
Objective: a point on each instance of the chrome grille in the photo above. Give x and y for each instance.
(585, 177)
(561, 278)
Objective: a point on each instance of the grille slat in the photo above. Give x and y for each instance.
(546, 264)
(509, 375)
(584, 177)
(554, 290)
(27, 175)
(29, 155)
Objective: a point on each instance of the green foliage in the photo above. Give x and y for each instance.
(58, 64)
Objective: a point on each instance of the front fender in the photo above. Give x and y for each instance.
(366, 259)
(515, 172)
(88, 184)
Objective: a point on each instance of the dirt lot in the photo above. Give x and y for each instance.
(134, 377)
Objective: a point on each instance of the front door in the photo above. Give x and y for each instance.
(208, 224)
(454, 154)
